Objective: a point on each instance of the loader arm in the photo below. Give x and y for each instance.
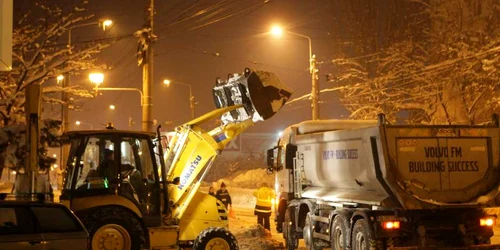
(242, 101)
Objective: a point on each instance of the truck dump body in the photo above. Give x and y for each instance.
(443, 165)
(409, 167)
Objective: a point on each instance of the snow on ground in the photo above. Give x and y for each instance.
(243, 225)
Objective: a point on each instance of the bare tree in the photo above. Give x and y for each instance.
(443, 66)
(40, 53)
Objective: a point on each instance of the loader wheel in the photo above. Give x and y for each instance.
(362, 237)
(215, 238)
(339, 237)
(113, 228)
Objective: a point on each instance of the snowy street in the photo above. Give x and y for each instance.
(243, 225)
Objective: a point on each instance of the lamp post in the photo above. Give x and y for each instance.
(191, 97)
(66, 79)
(98, 78)
(313, 70)
(66, 82)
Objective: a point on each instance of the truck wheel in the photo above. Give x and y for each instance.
(291, 241)
(113, 228)
(362, 237)
(339, 235)
(281, 216)
(308, 235)
(215, 238)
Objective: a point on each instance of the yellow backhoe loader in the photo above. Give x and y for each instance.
(121, 183)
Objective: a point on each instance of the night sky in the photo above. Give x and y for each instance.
(190, 56)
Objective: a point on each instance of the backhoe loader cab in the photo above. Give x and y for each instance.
(121, 187)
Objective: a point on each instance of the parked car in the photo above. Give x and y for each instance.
(40, 225)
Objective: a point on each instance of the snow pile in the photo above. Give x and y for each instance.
(242, 197)
(252, 179)
(256, 238)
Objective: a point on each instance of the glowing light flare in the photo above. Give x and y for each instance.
(78, 123)
(96, 78)
(60, 78)
(277, 31)
(166, 82)
(106, 23)
(112, 107)
(390, 225)
(487, 222)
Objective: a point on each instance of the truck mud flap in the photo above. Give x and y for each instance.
(261, 94)
(478, 247)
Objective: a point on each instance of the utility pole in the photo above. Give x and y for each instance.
(33, 111)
(145, 59)
(314, 89)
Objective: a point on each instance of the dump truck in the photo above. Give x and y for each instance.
(130, 193)
(347, 184)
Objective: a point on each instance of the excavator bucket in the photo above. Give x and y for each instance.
(261, 94)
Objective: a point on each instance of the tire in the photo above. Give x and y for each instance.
(482, 240)
(362, 237)
(113, 228)
(339, 234)
(215, 238)
(291, 241)
(281, 216)
(308, 235)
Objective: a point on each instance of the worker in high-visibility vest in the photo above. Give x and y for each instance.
(265, 196)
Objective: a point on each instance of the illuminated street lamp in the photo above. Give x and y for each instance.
(191, 97)
(78, 123)
(112, 107)
(60, 78)
(96, 78)
(66, 82)
(106, 23)
(278, 32)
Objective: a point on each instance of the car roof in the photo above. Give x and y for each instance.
(109, 132)
(28, 203)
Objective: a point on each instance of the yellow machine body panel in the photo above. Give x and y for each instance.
(203, 212)
(83, 203)
(163, 237)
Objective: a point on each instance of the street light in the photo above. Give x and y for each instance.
(278, 32)
(112, 107)
(78, 123)
(191, 97)
(60, 78)
(104, 23)
(98, 78)
(66, 82)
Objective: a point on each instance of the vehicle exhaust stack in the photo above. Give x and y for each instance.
(261, 93)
